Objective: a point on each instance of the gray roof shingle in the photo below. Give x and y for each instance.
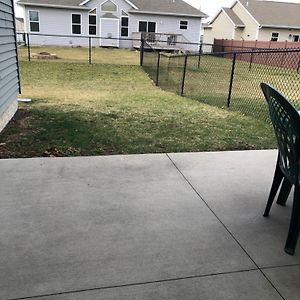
(233, 17)
(53, 2)
(173, 7)
(167, 6)
(274, 14)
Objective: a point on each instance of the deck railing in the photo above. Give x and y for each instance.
(167, 41)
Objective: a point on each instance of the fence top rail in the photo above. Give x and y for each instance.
(255, 51)
(79, 36)
(111, 38)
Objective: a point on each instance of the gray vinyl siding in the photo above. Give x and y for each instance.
(9, 76)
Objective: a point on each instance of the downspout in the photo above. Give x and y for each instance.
(257, 32)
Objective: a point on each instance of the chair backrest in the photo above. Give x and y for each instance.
(286, 122)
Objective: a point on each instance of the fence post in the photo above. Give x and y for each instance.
(199, 58)
(90, 50)
(142, 48)
(231, 79)
(251, 59)
(157, 69)
(28, 46)
(183, 77)
(24, 38)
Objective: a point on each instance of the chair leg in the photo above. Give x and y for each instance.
(278, 176)
(284, 192)
(294, 224)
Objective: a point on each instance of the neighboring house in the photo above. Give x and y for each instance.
(172, 20)
(19, 24)
(20, 30)
(255, 20)
(9, 74)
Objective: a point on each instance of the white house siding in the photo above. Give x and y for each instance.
(122, 5)
(9, 78)
(227, 32)
(284, 34)
(251, 29)
(57, 22)
(170, 25)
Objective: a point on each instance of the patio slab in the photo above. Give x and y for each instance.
(236, 185)
(235, 286)
(71, 224)
(286, 280)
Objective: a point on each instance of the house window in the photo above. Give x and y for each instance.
(274, 36)
(34, 21)
(93, 22)
(109, 6)
(76, 23)
(124, 24)
(183, 24)
(296, 38)
(145, 26)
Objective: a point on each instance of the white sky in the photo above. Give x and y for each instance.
(210, 7)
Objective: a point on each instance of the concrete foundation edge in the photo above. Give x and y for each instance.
(8, 114)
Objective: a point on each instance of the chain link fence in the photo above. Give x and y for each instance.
(95, 49)
(231, 79)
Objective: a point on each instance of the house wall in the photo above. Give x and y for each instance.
(122, 5)
(58, 21)
(9, 78)
(222, 28)
(265, 34)
(251, 27)
(238, 33)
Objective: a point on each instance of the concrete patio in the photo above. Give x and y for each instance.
(157, 226)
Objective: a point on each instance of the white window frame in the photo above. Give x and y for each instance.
(277, 38)
(109, 11)
(94, 25)
(124, 16)
(293, 37)
(39, 22)
(187, 24)
(76, 24)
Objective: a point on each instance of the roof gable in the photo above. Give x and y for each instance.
(231, 15)
(127, 1)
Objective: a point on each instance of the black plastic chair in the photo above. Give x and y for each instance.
(286, 122)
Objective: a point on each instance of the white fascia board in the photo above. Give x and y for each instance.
(213, 19)
(245, 8)
(52, 6)
(166, 14)
(127, 1)
(279, 26)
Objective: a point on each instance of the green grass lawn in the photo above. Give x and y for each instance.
(81, 54)
(210, 83)
(99, 109)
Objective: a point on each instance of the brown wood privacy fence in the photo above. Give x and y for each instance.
(281, 59)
